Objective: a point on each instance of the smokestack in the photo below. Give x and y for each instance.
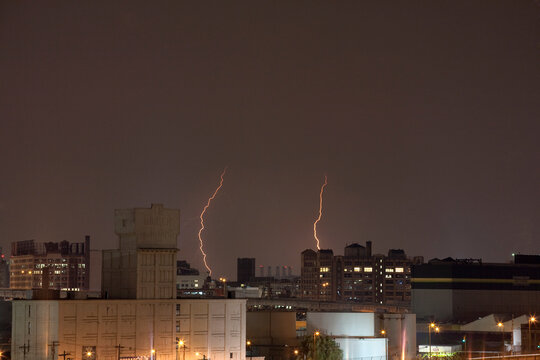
(368, 249)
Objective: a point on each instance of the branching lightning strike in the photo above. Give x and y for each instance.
(202, 221)
(320, 212)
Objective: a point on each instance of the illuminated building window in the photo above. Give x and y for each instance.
(368, 269)
(325, 269)
(388, 276)
(399, 269)
(389, 270)
(357, 269)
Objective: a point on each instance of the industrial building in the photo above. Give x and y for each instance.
(140, 318)
(461, 290)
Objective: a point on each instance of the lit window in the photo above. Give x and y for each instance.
(389, 270)
(399, 269)
(325, 269)
(357, 269)
(388, 276)
(368, 269)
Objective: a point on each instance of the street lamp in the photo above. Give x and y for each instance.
(315, 334)
(532, 319)
(436, 329)
(383, 332)
(153, 352)
(182, 344)
(248, 344)
(500, 325)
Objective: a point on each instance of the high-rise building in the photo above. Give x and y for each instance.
(65, 264)
(144, 265)
(356, 276)
(245, 269)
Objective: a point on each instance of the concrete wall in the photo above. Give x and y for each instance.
(215, 328)
(141, 228)
(342, 324)
(434, 305)
(271, 327)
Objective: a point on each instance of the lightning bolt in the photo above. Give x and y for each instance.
(320, 212)
(202, 220)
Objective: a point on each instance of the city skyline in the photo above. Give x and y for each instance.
(424, 117)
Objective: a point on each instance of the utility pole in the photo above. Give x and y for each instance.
(26, 348)
(118, 351)
(64, 354)
(53, 349)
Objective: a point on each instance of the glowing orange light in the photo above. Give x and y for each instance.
(202, 220)
(320, 212)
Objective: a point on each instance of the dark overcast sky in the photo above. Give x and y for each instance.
(424, 115)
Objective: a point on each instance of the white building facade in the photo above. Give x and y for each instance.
(112, 329)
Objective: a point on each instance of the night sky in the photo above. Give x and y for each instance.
(424, 115)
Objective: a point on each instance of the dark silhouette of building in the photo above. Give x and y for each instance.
(245, 270)
(184, 268)
(464, 289)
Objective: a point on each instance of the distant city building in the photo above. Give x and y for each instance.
(187, 277)
(357, 276)
(459, 290)
(281, 272)
(245, 269)
(65, 264)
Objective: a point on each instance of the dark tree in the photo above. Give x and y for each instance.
(326, 348)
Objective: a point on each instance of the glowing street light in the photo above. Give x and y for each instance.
(532, 319)
(182, 344)
(435, 328)
(383, 332)
(315, 334)
(248, 344)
